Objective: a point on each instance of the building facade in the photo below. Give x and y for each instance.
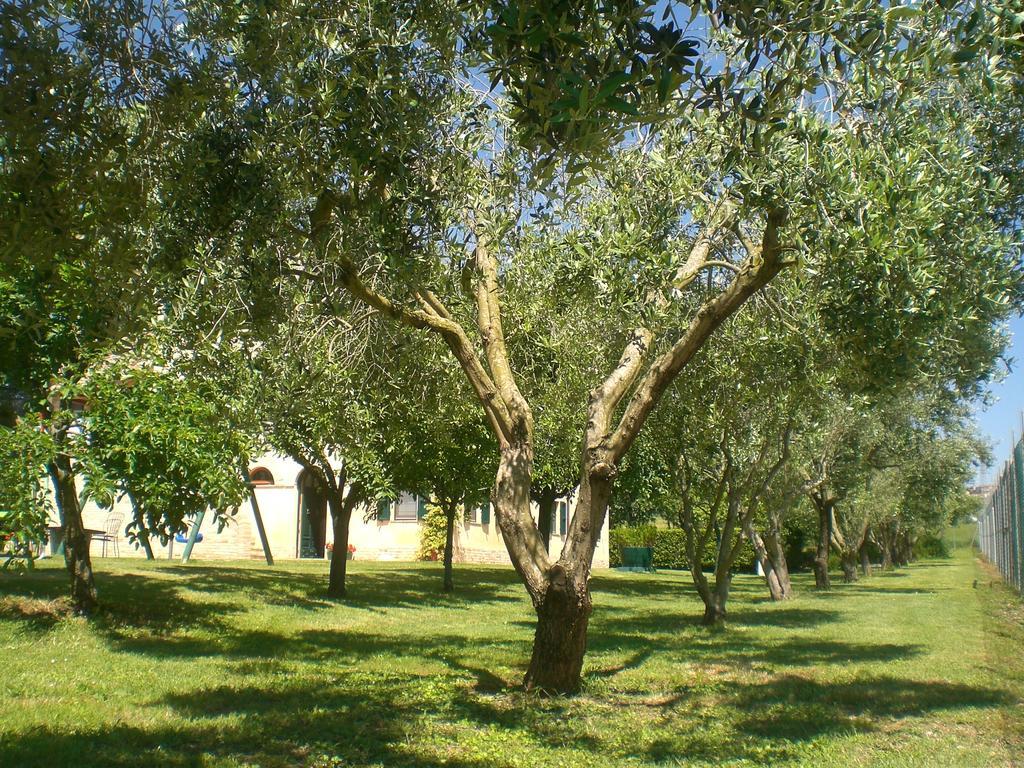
(298, 526)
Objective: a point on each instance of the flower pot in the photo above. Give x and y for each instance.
(351, 556)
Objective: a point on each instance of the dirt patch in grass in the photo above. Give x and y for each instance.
(40, 614)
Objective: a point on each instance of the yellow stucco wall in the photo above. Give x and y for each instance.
(279, 506)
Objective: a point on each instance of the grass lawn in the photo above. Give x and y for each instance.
(241, 665)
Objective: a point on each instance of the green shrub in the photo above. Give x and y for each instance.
(798, 547)
(433, 534)
(930, 545)
(670, 549)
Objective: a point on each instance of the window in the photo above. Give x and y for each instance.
(409, 507)
(479, 515)
(261, 476)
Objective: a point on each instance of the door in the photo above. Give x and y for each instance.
(312, 517)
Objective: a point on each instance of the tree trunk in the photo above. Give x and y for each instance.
(560, 641)
(341, 518)
(865, 559)
(546, 499)
(907, 548)
(901, 556)
(559, 590)
(142, 530)
(821, 578)
(777, 557)
(886, 555)
(775, 589)
(849, 563)
(715, 600)
(449, 545)
(76, 541)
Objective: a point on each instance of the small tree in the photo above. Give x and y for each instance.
(438, 443)
(171, 443)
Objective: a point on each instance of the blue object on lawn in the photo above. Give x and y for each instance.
(181, 538)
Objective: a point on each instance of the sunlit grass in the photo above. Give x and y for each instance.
(241, 665)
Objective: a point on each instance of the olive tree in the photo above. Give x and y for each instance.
(355, 151)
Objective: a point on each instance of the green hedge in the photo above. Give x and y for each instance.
(668, 543)
(669, 547)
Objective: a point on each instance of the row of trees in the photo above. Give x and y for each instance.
(672, 249)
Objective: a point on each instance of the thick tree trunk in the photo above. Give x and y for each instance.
(849, 563)
(886, 556)
(715, 600)
(771, 577)
(907, 549)
(546, 499)
(341, 518)
(821, 578)
(449, 545)
(560, 641)
(777, 556)
(560, 591)
(76, 541)
(865, 559)
(775, 588)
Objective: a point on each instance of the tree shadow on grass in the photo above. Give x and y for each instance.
(768, 721)
(397, 699)
(381, 720)
(792, 707)
(741, 650)
(342, 703)
(410, 586)
(288, 725)
(128, 603)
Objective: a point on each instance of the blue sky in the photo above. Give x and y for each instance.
(997, 421)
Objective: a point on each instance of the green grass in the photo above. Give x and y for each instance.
(240, 665)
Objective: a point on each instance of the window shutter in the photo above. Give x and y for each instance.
(421, 507)
(383, 509)
(485, 514)
(563, 516)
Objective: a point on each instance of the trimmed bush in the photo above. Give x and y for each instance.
(669, 546)
(930, 546)
(670, 549)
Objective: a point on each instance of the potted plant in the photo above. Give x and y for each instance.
(351, 551)
(330, 549)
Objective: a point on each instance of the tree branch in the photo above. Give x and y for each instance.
(493, 336)
(752, 276)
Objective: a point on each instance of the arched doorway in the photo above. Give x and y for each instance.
(312, 516)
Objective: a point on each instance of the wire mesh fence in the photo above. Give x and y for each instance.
(1001, 524)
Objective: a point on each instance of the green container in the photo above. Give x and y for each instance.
(638, 557)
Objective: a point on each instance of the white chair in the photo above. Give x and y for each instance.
(111, 533)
